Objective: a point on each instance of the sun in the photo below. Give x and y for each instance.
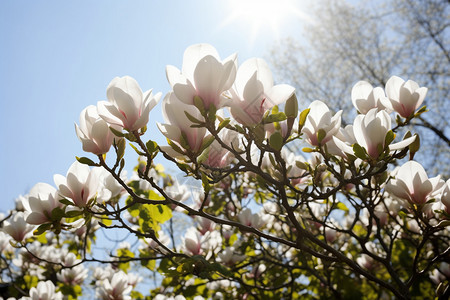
(266, 16)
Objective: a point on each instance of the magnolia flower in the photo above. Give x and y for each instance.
(203, 74)
(365, 97)
(205, 225)
(17, 227)
(229, 257)
(75, 275)
(94, 132)
(118, 288)
(43, 198)
(80, 184)
(192, 241)
(253, 93)
(411, 183)
(247, 218)
(445, 195)
(370, 132)
(44, 291)
(218, 156)
(405, 97)
(320, 122)
(178, 128)
(128, 106)
(109, 187)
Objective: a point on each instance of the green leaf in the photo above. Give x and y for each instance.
(193, 119)
(73, 213)
(291, 107)
(42, 228)
(302, 119)
(421, 111)
(359, 151)
(175, 147)
(116, 132)
(66, 202)
(223, 124)
(276, 140)
(120, 148)
(86, 161)
(212, 113)
(277, 117)
(342, 206)
(137, 150)
(151, 146)
(390, 136)
(206, 143)
(198, 102)
(205, 183)
(415, 146)
(203, 156)
(321, 134)
(308, 150)
(57, 214)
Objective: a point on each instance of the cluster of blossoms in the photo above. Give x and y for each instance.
(265, 220)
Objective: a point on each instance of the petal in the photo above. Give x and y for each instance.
(279, 94)
(393, 86)
(402, 144)
(193, 54)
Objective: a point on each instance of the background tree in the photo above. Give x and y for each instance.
(371, 40)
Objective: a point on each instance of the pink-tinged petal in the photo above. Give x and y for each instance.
(359, 132)
(398, 189)
(124, 85)
(172, 153)
(360, 94)
(174, 76)
(127, 107)
(110, 113)
(230, 70)
(393, 86)
(422, 92)
(193, 54)
(208, 77)
(279, 94)
(403, 144)
(342, 146)
(171, 132)
(253, 93)
(437, 183)
(36, 218)
(408, 171)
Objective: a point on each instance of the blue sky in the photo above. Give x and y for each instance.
(57, 57)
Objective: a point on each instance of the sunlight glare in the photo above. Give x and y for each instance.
(266, 16)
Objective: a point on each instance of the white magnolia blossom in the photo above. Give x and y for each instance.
(405, 97)
(365, 97)
(17, 227)
(248, 218)
(128, 106)
(74, 275)
(109, 187)
(218, 156)
(320, 119)
(445, 195)
(178, 127)
(117, 288)
(94, 132)
(203, 74)
(42, 199)
(80, 184)
(412, 184)
(44, 291)
(229, 257)
(253, 92)
(192, 242)
(370, 132)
